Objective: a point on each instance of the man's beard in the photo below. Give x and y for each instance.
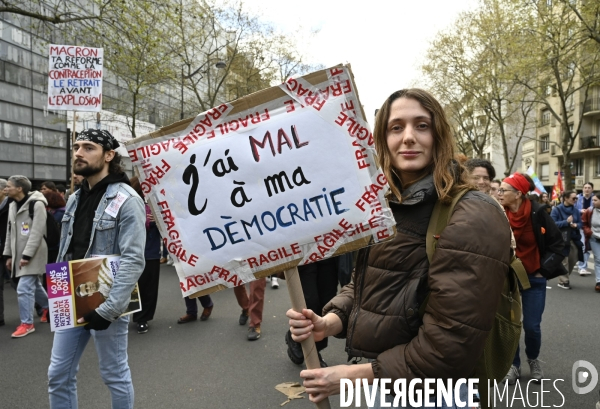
(88, 169)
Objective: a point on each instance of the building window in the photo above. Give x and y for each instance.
(588, 142)
(577, 167)
(544, 171)
(597, 165)
(545, 117)
(544, 143)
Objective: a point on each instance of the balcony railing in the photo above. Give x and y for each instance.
(591, 104)
(588, 142)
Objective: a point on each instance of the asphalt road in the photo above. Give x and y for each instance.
(212, 365)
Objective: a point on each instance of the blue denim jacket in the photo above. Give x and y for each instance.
(113, 235)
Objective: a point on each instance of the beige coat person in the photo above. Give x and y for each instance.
(26, 237)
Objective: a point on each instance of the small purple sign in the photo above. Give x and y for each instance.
(58, 279)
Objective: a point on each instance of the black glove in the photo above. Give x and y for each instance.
(95, 321)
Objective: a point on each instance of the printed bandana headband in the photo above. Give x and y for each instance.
(100, 137)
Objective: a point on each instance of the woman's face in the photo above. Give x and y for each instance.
(544, 198)
(596, 202)
(409, 139)
(507, 194)
(11, 190)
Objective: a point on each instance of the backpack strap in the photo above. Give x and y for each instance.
(31, 208)
(31, 212)
(520, 272)
(440, 216)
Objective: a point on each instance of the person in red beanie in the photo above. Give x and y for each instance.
(535, 234)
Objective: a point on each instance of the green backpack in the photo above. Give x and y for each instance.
(503, 340)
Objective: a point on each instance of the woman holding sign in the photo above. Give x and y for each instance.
(379, 312)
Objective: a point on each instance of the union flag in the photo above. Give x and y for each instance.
(558, 188)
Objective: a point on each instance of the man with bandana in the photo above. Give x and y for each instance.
(106, 216)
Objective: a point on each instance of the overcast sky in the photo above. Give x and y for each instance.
(384, 41)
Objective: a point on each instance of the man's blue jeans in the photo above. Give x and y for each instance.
(534, 301)
(586, 254)
(596, 250)
(29, 291)
(111, 347)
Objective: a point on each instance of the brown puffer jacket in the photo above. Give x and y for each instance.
(380, 308)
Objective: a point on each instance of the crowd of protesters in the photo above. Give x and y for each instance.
(416, 151)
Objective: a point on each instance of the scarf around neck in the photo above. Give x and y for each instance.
(522, 226)
(519, 219)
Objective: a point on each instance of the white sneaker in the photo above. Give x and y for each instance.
(584, 272)
(170, 262)
(513, 374)
(274, 283)
(536, 369)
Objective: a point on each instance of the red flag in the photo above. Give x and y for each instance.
(559, 183)
(555, 193)
(558, 188)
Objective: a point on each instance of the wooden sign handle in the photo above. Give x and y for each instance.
(309, 349)
(73, 133)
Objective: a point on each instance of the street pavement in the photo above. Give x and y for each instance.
(212, 365)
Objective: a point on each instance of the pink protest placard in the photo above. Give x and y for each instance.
(60, 298)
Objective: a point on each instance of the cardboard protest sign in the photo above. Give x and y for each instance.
(282, 177)
(75, 78)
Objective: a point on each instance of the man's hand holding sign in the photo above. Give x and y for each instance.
(283, 177)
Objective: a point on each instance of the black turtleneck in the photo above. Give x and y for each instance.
(21, 202)
(84, 214)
